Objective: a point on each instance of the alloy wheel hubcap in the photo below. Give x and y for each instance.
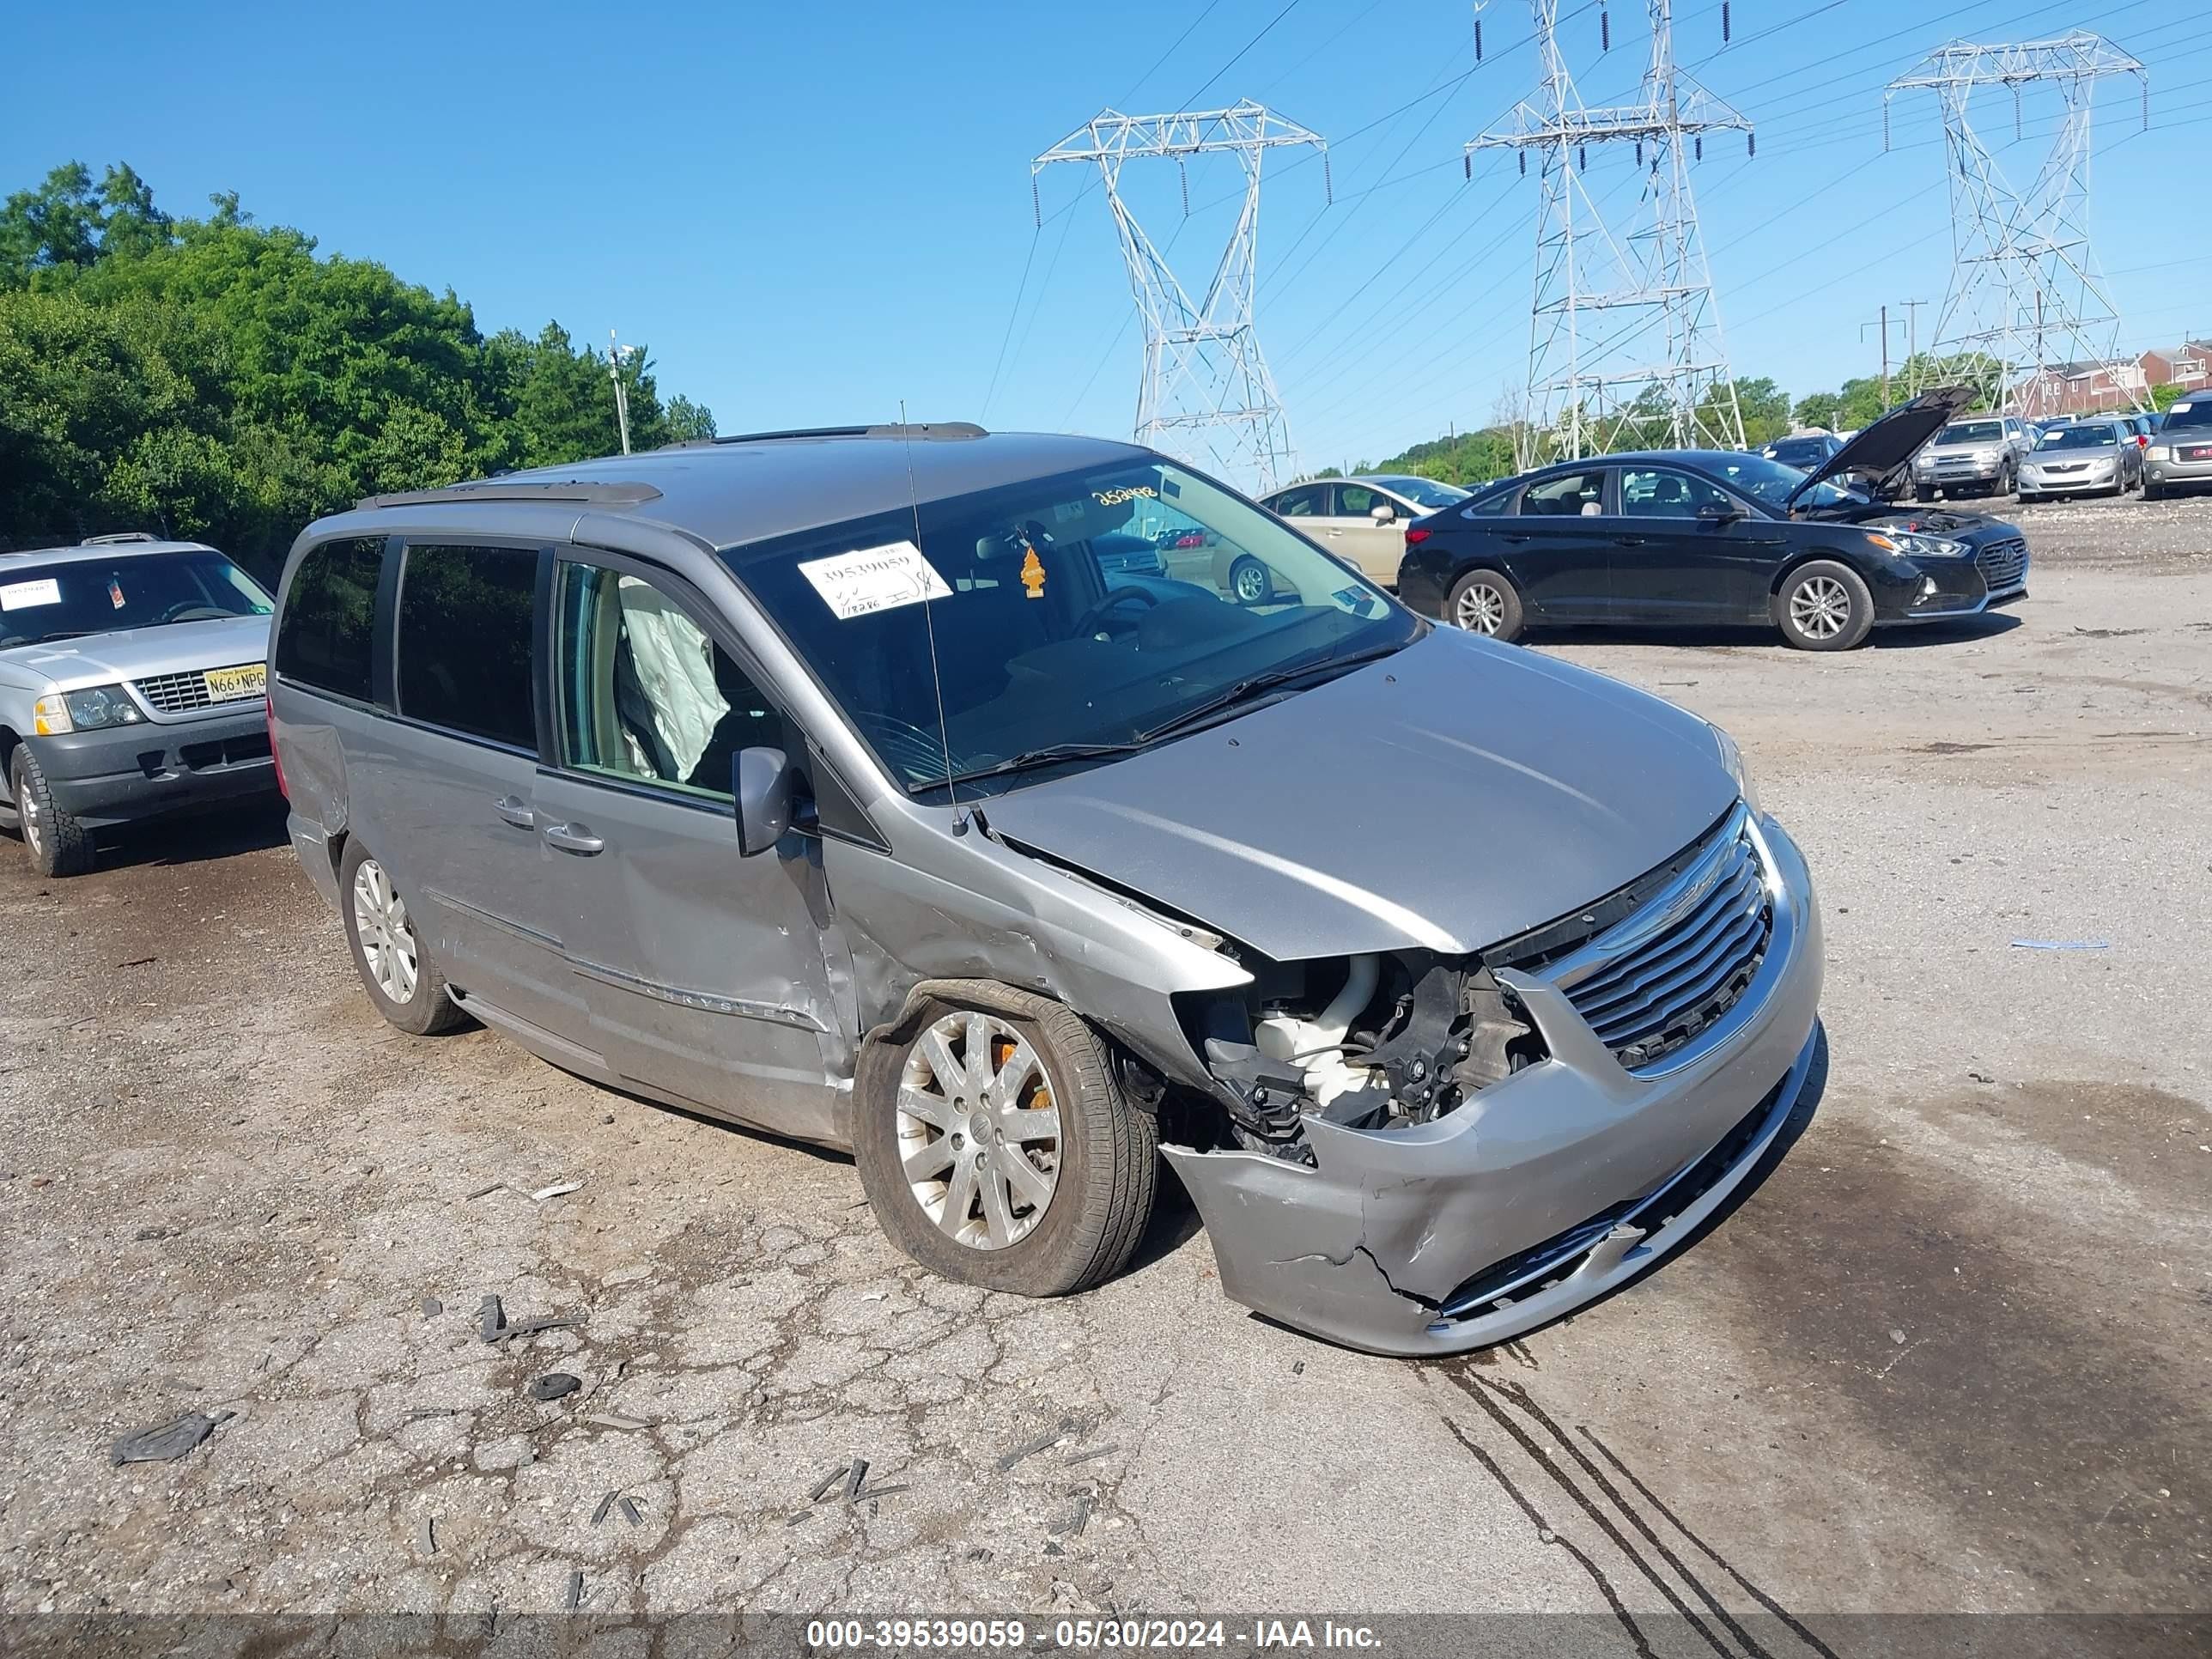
(1251, 584)
(387, 936)
(979, 1133)
(27, 810)
(1820, 608)
(1481, 609)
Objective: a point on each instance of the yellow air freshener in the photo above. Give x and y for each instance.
(1033, 574)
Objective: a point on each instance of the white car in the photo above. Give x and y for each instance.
(1363, 519)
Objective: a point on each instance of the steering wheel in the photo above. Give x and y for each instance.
(914, 750)
(182, 612)
(1089, 621)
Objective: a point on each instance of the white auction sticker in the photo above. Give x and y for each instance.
(874, 579)
(21, 596)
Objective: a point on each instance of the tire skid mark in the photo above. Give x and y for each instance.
(1720, 1560)
(1536, 1520)
(1494, 1398)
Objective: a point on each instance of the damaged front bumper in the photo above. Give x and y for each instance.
(1543, 1192)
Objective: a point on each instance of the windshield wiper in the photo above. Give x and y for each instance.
(1245, 689)
(1031, 759)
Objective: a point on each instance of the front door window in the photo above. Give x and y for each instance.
(647, 696)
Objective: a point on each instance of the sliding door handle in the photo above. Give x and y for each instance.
(573, 838)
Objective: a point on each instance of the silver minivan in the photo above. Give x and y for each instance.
(825, 782)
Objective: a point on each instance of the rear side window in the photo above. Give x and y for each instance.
(323, 637)
(464, 635)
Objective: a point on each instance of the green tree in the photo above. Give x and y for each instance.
(221, 380)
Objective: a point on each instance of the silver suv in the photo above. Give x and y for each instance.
(829, 783)
(131, 681)
(1982, 454)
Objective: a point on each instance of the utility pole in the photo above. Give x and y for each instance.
(2026, 295)
(1593, 382)
(1205, 386)
(1912, 309)
(1884, 326)
(616, 356)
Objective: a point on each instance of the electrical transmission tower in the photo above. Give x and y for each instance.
(2027, 305)
(1207, 395)
(1624, 337)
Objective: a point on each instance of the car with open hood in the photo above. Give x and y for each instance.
(1715, 538)
(829, 783)
(131, 681)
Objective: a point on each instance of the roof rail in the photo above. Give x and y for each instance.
(117, 538)
(495, 489)
(918, 432)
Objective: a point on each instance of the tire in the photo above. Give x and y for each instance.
(2152, 491)
(2008, 483)
(1485, 601)
(1823, 606)
(58, 841)
(1250, 581)
(424, 1009)
(1097, 1176)
(1923, 494)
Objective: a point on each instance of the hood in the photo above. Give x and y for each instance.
(137, 654)
(1973, 528)
(1443, 798)
(1887, 443)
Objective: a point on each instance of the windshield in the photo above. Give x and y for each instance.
(2184, 415)
(1038, 642)
(2098, 436)
(1771, 482)
(1972, 432)
(69, 597)
(1799, 452)
(1425, 492)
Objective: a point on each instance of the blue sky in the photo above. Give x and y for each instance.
(812, 214)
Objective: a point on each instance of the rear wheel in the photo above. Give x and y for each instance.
(1484, 601)
(395, 967)
(58, 842)
(1823, 606)
(996, 1149)
(1250, 581)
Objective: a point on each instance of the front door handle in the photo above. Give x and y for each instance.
(1631, 541)
(511, 809)
(573, 838)
(1515, 535)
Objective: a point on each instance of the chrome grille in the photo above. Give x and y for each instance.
(1651, 984)
(180, 694)
(2003, 564)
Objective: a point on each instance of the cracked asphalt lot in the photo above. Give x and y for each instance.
(1952, 1355)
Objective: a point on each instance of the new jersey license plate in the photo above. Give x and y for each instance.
(229, 684)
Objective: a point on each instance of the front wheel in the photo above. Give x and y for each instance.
(996, 1149)
(1485, 602)
(2152, 489)
(1823, 606)
(2008, 483)
(58, 841)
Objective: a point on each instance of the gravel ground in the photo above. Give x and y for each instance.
(1951, 1356)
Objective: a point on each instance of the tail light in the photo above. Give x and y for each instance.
(1415, 535)
(268, 714)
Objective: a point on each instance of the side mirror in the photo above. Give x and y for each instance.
(761, 780)
(1382, 512)
(1718, 513)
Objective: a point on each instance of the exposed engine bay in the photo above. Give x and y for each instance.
(1377, 1041)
